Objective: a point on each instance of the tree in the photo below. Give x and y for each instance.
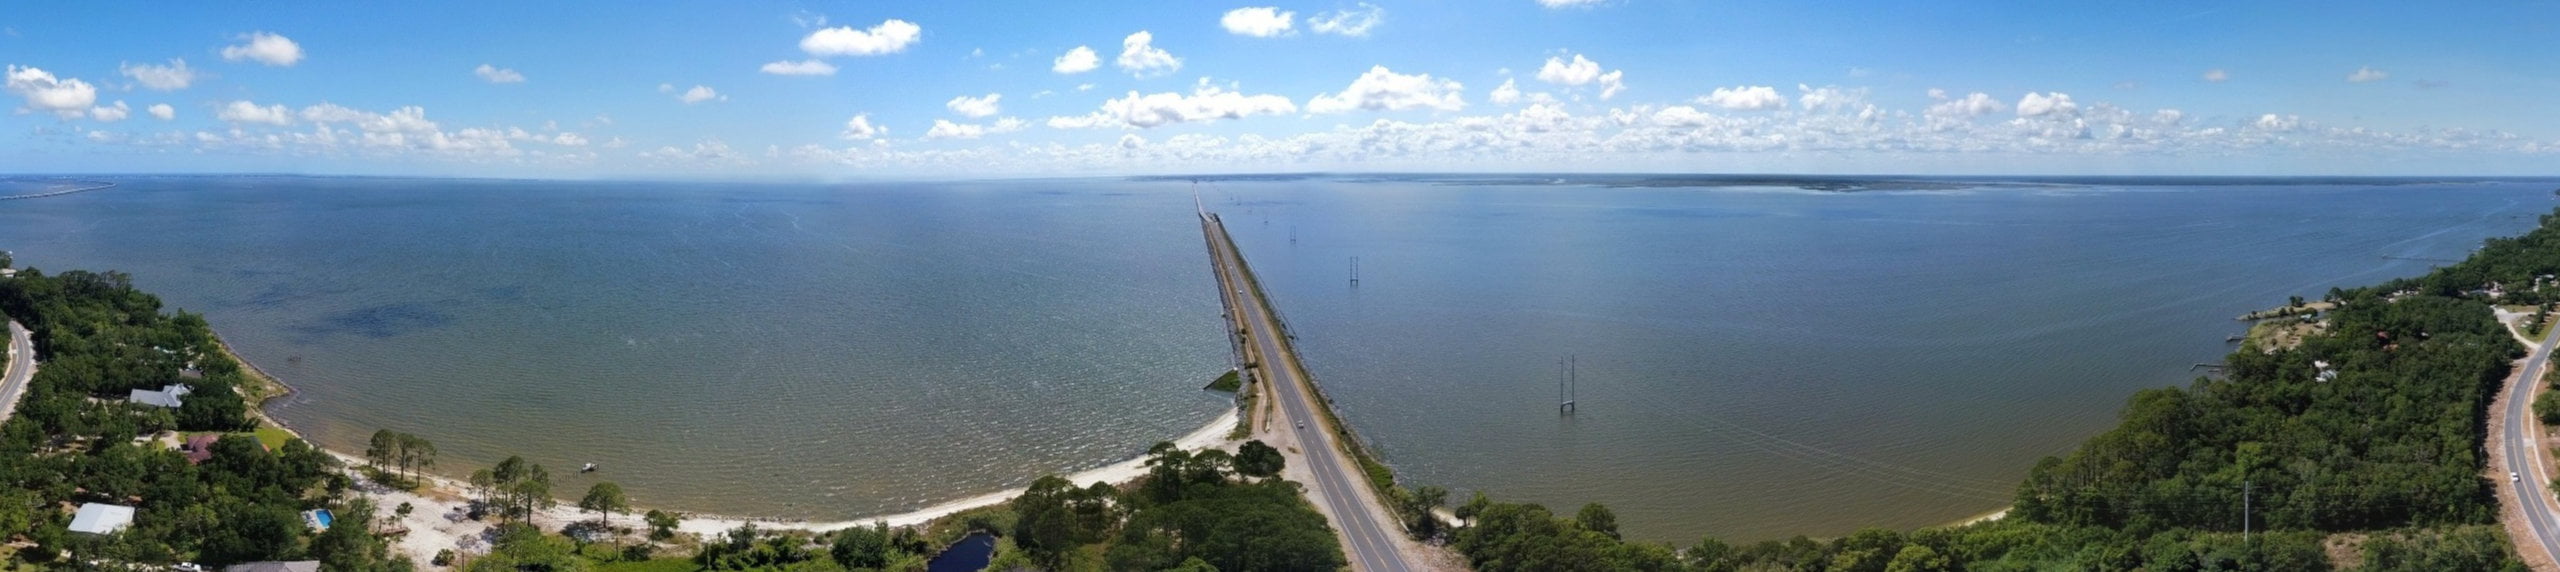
(1420, 510)
(862, 547)
(1255, 459)
(384, 449)
(1596, 518)
(415, 453)
(662, 524)
(605, 497)
(483, 484)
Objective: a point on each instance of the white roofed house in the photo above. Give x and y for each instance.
(96, 518)
(164, 397)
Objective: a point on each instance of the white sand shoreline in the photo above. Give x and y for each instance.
(435, 521)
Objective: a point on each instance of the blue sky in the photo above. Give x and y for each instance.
(969, 89)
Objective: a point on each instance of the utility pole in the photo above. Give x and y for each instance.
(2244, 511)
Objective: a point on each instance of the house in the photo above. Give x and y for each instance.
(199, 448)
(167, 396)
(294, 566)
(95, 518)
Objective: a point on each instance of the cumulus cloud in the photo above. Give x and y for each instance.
(2280, 123)
(1204, 103)
(495, 74)
(2367, 74)
(68, 98)
(1830, 99)
(891, 36)
(802, 67)
(1381, 89)
(1748, 98)
(699, 94)
(162, 111)
(860, 128)
(1973, 105)
(246, 112)
(111, 114)
(945, 129)
(1140, 57)
(172, 77)
(974, 107)
(1259, 22)
(2216, 75)
(1076, 61)
(2042, 104)
(1507, 94)
(265, 48)
(1354, 22)
(1582, 71)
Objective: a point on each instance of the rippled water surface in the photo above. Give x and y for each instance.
(1754, 363)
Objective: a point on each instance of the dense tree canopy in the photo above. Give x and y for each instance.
(73, 440)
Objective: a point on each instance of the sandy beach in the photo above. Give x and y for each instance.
(437, 518)
(437, 522)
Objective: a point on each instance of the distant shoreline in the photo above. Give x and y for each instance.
(93, 187)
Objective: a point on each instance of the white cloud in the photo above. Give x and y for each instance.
(68, 98)
(1205, 103)
(1582, 71)
(699, 94)
(860, 128)
(1569, 3)
(1132, 141)
(891, 36)
(1084, 87)
(1828, 98)
(162, 111)
(2042, 104)
(1075, 61)
(496, 74)
(974, 107)
(2216, 75)
(1759, 97)
(172, 77)
(1382, 89)
(802, 67)
(111, 114)
(1355, 22)
(1507, 94)
(945, 129)
(266, 48)
(246, 112)
(1140, 57)
(2367, 74)
(1259, 22)
(1972, 105)
(2273, 122)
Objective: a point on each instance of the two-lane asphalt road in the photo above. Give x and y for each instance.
(22, 366)
(1354, 508)
(2524, 459)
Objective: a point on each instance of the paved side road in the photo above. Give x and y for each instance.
(1353, 508)
(22, 366)
(2523, 433)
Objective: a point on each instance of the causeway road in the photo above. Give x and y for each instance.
(1370, 539)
